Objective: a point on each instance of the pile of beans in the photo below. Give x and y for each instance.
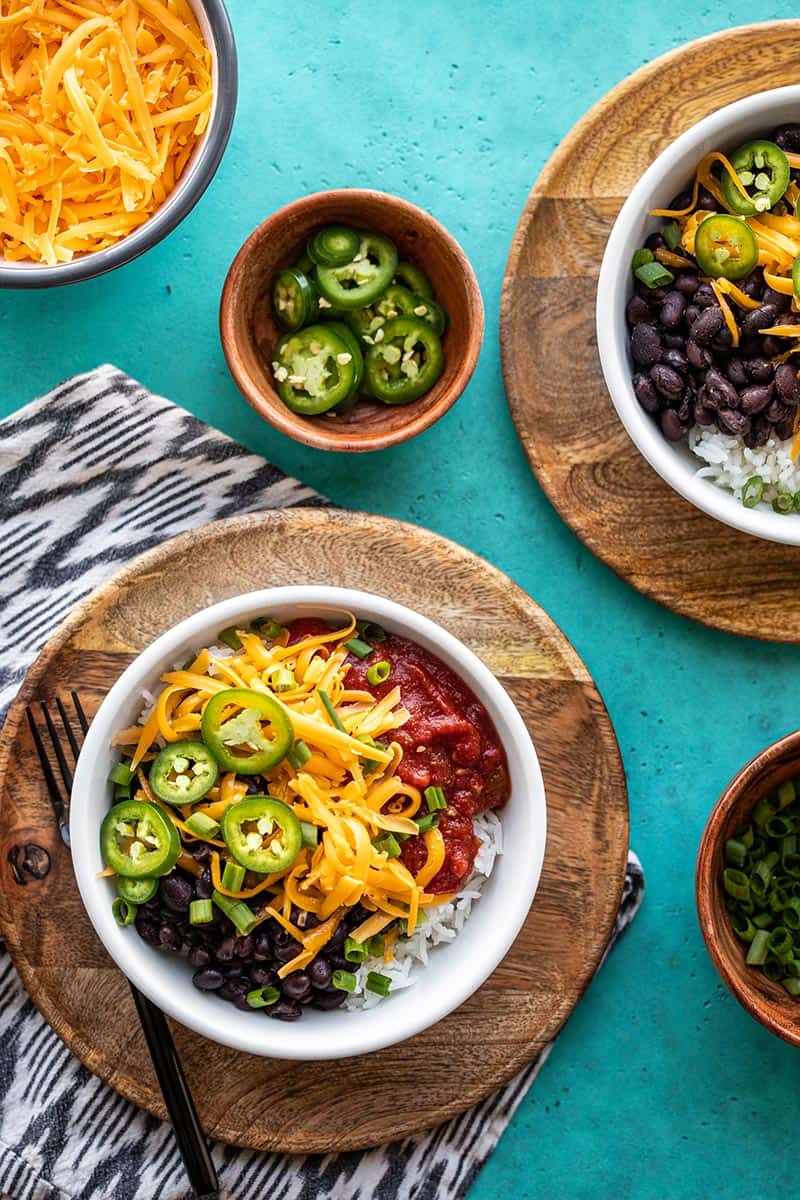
(231, 965)
(686, 370)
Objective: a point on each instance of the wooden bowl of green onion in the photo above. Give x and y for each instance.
(748, 887)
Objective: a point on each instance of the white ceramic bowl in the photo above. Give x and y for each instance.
(455, 970)
(671, 173)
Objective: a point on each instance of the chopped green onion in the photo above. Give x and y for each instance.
(233, 877)
(263, 997)
(790, 914)
(788, 844)
(121, 774)
(299, 754)
(379, 672)
(370, 764)
(753, 491)
(779, 827)
(388, 845)
(792, 986)
(781, 943)
(746, 837)
(762, 813)
(791, 865)
(736, 883)
(281, 679)
(797, 502)
(202, 826)
(787, 793)
(124, 912)
(436, 798)
(735, 852)
(783, 503)
(426, 822)
(310, 834)
(201, 912)
(671, 234)
(381, 984)
(268, 628)
(370, 631)
(641, 258)
(354, 951)
(773, 970)
(653, 275)
(229, 637)
(237, 911)
(330, 710)
(345, 981)
(763, 920)
(122, 791)
(743, 927)
(359, 648)
(757, 954)
(376, 945)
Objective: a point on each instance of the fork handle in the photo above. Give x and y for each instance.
(178, 1099)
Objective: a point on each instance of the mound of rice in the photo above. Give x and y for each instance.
(442, 924)
(729, 463)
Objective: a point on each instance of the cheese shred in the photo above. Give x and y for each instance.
(101, 107)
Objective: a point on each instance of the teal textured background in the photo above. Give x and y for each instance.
(660, 1084)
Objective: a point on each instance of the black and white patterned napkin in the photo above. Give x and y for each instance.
(81, 492)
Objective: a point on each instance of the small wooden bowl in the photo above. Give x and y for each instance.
(767, 1002)
(249, 333)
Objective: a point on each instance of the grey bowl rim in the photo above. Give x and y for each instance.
(168, 217)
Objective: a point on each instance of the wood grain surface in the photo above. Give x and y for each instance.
(299, 1107)
(582, 456)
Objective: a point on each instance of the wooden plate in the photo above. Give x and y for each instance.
(582, 456)
(303, 1107)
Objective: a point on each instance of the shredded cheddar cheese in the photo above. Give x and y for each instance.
(101, 107)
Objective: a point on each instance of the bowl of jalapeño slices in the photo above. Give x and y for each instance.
(351, 320)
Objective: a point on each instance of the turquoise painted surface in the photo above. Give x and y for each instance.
(660, 1084)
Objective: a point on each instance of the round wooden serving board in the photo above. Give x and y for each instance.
(357, 1102)
(582, 456)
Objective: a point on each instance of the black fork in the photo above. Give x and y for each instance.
(174, 1088)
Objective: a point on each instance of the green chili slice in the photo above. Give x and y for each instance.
(248, 732)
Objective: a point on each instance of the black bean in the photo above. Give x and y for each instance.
(204, 888)
(335, 958)
(652, 296)
(776, 411)
(147, 930)
(296, 985)
(255, 787)
(328, 1000)
(208, 980)
(687, 283)
(720, 390)
(682, 200)
(759, 370)
(723, 340)
(787, 384)
(232, 988)
(636, 310)
(785, 427)
(706, 201)
(285, 952)
(176, 892)
(262, 946)
(692, 313)
(733, 422)
(671, 426)
(225, 949)
(655, 242)
(776, 300)
(668, 382)
(677, 360)
(243, 946)
(241, 1002)
(319, 972)
(201, 852)
(672, 310)
(736, 372)
(753, 284)
(758, 319)
(704, 296)
(758, 433)
(704, 416)
(707, 325)
(645, 344)
(152, 906)
(771, 346)
(285, 1010)
(169, 937)
(674, 341)
(200, 956)
(754, 399)
(788, 138)
(303, 919)
(263, 976)
(337, 939)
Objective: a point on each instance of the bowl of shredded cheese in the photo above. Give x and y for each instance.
(308, 802)
(114, 116)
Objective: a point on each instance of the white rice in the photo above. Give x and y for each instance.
(729, 463)
(443, 924)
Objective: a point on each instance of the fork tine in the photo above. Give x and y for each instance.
(61, 758)
(47, 770)
(73, 741)
(79, 710)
